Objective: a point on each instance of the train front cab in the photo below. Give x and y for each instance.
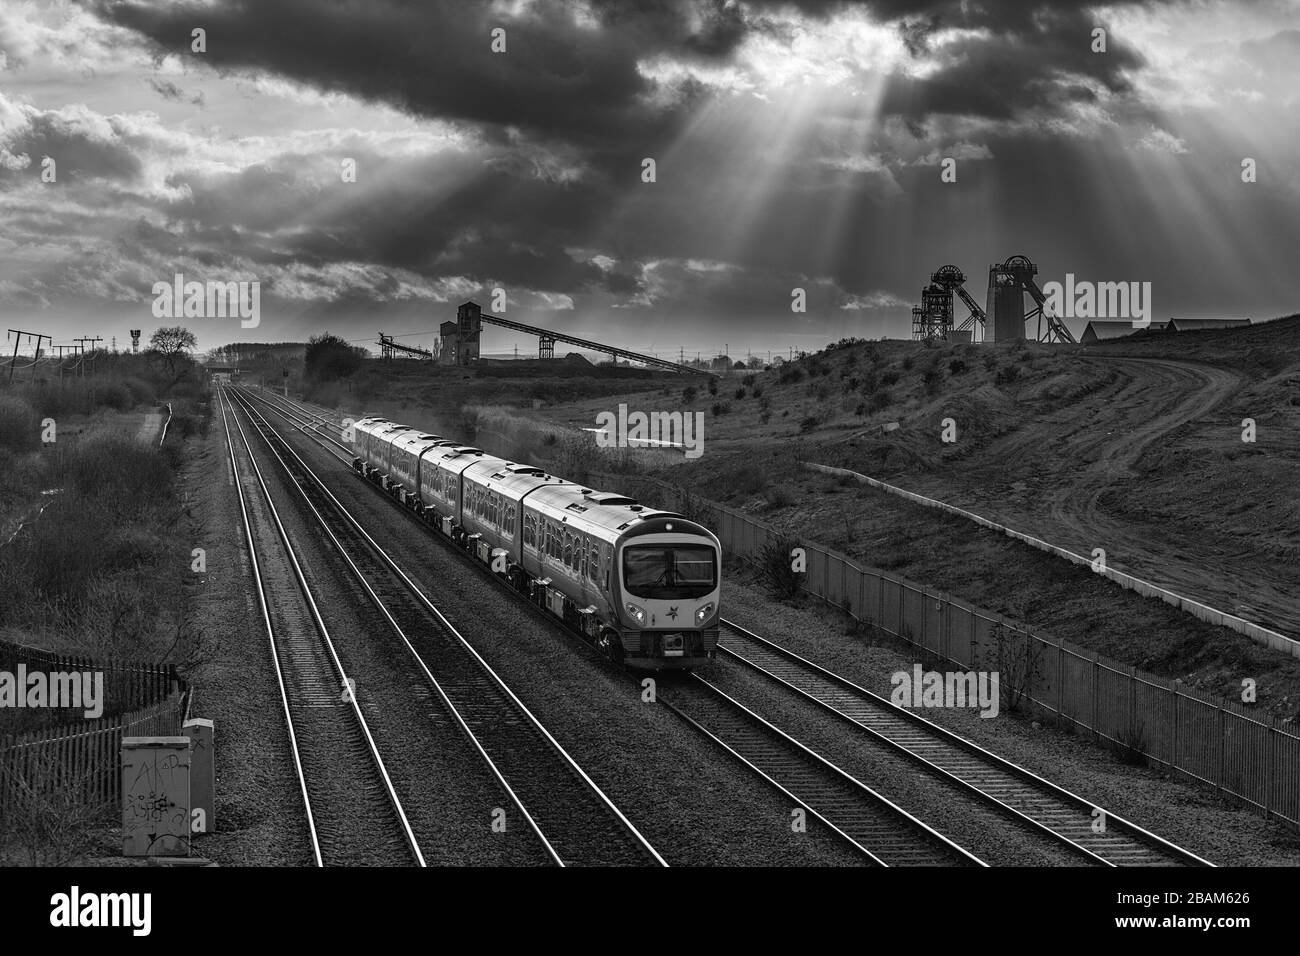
(669, 594)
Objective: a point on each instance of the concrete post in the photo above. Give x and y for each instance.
(203, 810)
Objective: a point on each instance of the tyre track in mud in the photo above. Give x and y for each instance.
(1093, 454)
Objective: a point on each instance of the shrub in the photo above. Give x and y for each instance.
(880, 400)
(19, 424)
(721, 408)
(809, 423)
(113, 394)
(747, 480)
(907, 363)
(713, 385)
(1007, 375)
(889, 377)
(776, 568)
(689, 394)
(740, 393)
(956, 366)
(778, 496)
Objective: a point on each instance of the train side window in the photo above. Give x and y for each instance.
(568, 550)
(593, 562)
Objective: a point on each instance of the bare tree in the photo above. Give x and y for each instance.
(173, 346)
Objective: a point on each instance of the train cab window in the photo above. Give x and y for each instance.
(669, 572)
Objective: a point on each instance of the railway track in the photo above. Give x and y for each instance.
(885, 833)
(1030, 801)
(353, 814)
(573, 819)
(1016, 792)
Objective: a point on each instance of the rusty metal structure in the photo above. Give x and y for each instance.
(933, 319)
(461, 341)
(389, 349)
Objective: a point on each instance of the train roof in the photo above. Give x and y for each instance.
(413, 440)
(511, 478)
(456, 459)
(606, 513)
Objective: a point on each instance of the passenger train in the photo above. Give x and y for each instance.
(642, 584)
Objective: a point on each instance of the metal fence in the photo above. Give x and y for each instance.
(75, 762)
(1182, 730)
(78, 765)
(127, 685)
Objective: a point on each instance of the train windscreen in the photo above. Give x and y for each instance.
(668, 572)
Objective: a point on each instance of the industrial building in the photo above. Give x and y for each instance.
(1100, 330)
(460, 339)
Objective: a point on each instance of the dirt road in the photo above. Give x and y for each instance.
(1082, 457)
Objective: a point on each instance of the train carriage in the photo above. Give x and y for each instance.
(441, 490)
(641, 583)
(491, 511)
(409, 454)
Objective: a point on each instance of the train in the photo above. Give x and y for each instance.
(641, 584)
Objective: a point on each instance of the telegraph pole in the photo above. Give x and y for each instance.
(84, 339)
(61, 348)
(18, 337)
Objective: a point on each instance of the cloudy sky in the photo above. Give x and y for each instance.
(796, 144)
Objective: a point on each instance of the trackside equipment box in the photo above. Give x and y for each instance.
(155, 796)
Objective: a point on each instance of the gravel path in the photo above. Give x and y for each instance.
(259, 817)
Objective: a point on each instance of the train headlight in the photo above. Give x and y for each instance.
(636, 612)
(703, 614)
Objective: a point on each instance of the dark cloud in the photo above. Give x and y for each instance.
(75, 140)
(1024, 59)
(431, 58)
